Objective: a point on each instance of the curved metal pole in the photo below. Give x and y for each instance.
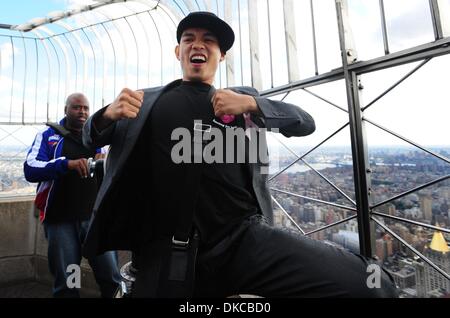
(12, 78)
(37, 80)
(137, 51)
(160, 46)
(182, 11)
(158, 33)
(115, 58)
(147, 37)
(125, 50)
(114, 55)
(157, 29)
(47, 52)
(240, 41)
(99, 40)
(76, 61)
(313, 25)
(270, 44)
(170, 4)
(170, 17)
(0, 66)
(80, 44)
(66, 61)
(190, 5)
(175, 68)
(95, 65)
(24, 78)
(220, 69)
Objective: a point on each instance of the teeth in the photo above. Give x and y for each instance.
(200, 58)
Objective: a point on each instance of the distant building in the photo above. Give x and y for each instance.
(405, 277)
(384, 247)
(431, 283)
(387, 209)
(347, 239)
(426, 206)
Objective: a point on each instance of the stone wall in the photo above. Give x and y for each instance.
(23, 247)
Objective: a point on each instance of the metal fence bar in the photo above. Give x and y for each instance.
(396, 84)
(240, 42)
(24, 78)
(317, 172)
(43, 41)
(384, 28)
(308, 152)
(124, 45)
(254, 44)
(427, 226)
(219, 68)
(80, 44)
(325, 100)
(329, 182)
(331, 225)
(357, 132)
(418, 53)
(436, 19)
(410, 191)
(229, 61)
(95, 64)
(37, 79)
(12, 77)
(287, 214)
(408, 141)
(76, 61)
(291, 41)
(115, 57)
(423, 257)
(270, 44)
(313, 25)
(344, 207)
(137, 51)
(160, 45)
(99, 40)
(148, 41)
(58, 41)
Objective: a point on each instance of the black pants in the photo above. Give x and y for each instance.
(261, 260)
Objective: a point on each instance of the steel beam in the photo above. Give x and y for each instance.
(361, 172)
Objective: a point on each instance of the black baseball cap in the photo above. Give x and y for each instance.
(211, 22)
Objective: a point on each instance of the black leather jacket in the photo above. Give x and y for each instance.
(122, 204)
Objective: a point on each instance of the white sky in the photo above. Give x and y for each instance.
(417, 109)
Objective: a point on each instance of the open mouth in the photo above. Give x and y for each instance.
(198, 59)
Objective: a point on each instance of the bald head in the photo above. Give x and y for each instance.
(73, 98)
(76, 110)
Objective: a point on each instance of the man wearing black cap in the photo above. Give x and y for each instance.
(202, 229)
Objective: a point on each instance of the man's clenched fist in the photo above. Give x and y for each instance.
(126, 106)
(227, 102)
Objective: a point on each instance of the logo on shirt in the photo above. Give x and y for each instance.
(53, 140)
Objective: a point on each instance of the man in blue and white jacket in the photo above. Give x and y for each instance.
(65, 196)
